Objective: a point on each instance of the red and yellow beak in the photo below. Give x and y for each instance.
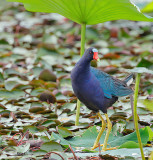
(95, 56)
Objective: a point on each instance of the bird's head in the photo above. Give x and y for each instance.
(92, 53)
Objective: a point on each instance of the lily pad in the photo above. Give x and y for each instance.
(129, 144)
(140, 70)
(145, 63)
(51, 146)
(64, 132)
(47, 75)
(11, 94)
(148, 103)
(124, 153)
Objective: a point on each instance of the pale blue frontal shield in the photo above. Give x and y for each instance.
(94, 50)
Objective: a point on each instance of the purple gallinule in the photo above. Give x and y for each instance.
(97, 90)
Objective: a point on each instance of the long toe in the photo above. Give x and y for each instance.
(106, 149)
(96, 146)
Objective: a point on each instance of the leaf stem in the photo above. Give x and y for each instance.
(77, 113)
(135, 114)
(83, 34)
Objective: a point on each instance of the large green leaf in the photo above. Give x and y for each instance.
(88, 138)
(88, 11)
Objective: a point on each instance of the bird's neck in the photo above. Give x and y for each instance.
(81, 71)
(84, 65)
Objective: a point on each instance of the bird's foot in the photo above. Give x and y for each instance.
(94, 116)
(104, 149)
(96, 146)
(107, 149)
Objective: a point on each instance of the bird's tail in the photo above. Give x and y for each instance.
(128, 80)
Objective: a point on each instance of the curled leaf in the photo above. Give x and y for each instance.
(47, 96)
(47, 75)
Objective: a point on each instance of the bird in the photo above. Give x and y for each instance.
(97, 90)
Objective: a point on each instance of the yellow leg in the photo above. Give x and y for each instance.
(100, 133)
(109, 127)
